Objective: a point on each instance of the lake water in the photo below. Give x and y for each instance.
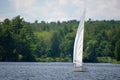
(57, 71)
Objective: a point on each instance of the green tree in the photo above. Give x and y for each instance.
(67, 44)
(90, 51)
(7, 43)
(16, 38)
(55, 45)
(117, 50)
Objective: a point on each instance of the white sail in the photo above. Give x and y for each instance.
(78, 44)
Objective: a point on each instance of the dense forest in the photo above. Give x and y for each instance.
(54, 41)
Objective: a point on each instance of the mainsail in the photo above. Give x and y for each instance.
(78, 44)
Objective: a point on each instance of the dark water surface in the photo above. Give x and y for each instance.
(57, 71)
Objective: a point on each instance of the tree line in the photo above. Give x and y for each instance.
(54, 41)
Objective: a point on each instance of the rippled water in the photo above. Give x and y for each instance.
(57, 71)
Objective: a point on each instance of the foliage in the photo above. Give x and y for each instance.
(54, 41)
(16, 38)
(117, 50)
(106, 60)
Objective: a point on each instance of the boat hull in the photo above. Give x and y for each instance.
(80, 69)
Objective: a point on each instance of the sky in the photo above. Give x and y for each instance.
(60, 10)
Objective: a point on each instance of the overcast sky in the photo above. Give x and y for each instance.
(62, 10)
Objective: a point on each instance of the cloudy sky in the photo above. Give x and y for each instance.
(62, 10)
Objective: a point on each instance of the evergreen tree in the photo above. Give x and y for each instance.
(117, 50)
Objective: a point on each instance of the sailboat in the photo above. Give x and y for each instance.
(78, 46)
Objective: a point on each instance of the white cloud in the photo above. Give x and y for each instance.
(47, 9)
(52, 10)
(63, 2)
(1, 19)
(102, 9)
(25, 6)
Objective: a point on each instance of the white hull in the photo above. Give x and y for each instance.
(79, 68)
